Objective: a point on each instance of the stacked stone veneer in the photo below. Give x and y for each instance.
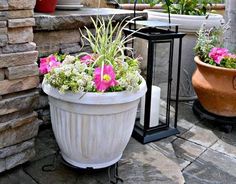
(18, 82)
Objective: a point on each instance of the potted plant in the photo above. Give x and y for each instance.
(190, 15)
(215, 77)
(45, 6)
(94, 98)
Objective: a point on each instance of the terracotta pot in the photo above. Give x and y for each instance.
(45, 6)
(215, 88)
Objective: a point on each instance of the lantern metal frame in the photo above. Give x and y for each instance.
(157, 32)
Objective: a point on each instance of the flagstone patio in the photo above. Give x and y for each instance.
(199, 154)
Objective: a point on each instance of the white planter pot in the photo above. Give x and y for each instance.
(190, 25)
(68, 2)
(93, 129)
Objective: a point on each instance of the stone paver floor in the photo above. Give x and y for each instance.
(200, 154)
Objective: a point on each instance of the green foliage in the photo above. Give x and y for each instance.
(208, 39)
(60, 57)
(108, 42)
(228, 63)
(187, 7)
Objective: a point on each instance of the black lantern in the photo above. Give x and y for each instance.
(156, 32)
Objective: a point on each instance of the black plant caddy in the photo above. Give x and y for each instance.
(225, 123)
(112, 171)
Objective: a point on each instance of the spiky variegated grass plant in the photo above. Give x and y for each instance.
(108, 42)
(107, 69)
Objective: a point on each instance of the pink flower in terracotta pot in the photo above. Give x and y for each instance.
(217, 54)
(231, 55)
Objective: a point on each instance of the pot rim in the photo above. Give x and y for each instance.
(96, 98)
(200, 62)
(212, 15)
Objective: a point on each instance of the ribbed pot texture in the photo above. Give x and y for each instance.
(94, 130)
(215, 88)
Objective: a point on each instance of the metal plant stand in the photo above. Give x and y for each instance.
(112, 171)
(225, 123)
(156, 32)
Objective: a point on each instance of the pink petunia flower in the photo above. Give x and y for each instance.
(48, 63)
(87, 59)
(231, 55)
(105, 80)
(217, 54)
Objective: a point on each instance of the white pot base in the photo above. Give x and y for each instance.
(94, 166)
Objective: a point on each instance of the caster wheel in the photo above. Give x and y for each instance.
(226, 128)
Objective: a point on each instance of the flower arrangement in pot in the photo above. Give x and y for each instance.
(215, 77)
(94, 98)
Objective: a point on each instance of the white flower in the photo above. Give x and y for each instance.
(69, 59)
(81, 67)
(64, 88)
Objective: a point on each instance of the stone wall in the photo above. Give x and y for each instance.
(18, 82)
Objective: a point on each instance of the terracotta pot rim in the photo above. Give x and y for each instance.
(200, 62)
